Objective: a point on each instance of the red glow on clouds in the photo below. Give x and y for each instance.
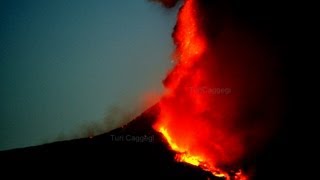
(211, 112)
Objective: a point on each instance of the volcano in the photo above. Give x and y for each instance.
(135, 149)
(230, 107)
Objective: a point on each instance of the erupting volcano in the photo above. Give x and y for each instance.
(220, 116)
(219, 104)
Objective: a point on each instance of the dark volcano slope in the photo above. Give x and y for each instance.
(134, 150)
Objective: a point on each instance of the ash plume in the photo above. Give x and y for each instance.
(217, 49)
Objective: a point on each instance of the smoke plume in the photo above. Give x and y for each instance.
(223, 95)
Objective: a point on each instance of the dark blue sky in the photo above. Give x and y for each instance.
(63, 64)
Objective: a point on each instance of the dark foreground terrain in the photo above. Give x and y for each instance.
(135, 150)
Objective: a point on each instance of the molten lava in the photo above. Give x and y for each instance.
(191, 46)
(206, 125)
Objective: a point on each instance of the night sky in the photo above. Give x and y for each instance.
(65, 64)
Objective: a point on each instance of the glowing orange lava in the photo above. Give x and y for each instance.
(184, 156)
(221, 103)
(185, 114)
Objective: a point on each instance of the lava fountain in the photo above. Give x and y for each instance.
(219, 104)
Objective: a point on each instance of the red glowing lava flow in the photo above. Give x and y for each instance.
(221, 101)
(191, 118)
